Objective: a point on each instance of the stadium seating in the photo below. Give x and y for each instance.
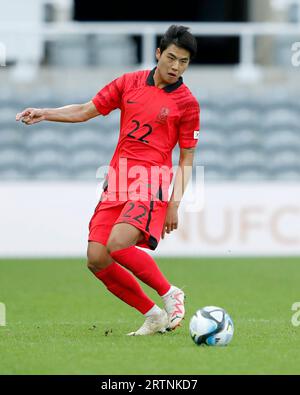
(93, 50)
(243, 138)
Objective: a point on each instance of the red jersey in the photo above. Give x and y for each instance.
(153, 120)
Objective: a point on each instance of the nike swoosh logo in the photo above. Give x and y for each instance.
(131, 102)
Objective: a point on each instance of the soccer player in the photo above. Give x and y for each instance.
(157, 112)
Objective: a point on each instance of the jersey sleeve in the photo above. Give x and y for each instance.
(110, 97)
(189, 126)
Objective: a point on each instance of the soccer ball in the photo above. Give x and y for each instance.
(212, 326)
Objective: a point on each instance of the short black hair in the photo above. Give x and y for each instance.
(181, 37)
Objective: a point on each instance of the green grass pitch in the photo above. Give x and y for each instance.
(61, 320)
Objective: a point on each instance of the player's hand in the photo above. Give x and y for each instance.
(171, 221)
(30, 116)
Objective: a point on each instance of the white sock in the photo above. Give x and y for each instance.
(154, 310)
(172, 288)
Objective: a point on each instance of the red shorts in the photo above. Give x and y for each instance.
(148, 216)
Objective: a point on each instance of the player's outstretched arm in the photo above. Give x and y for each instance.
(71, 113)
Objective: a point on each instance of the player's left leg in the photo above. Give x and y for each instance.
(131, 229)
(121, 247)
(122, 239)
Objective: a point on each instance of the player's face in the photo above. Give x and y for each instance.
(172, 63)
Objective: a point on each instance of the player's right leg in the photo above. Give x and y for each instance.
(116, 279)
(97, 257)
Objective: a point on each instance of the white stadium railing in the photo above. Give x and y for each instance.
(247, 32)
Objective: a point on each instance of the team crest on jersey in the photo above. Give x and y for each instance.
(163, 115)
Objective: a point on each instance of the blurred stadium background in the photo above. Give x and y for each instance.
(246, 78)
